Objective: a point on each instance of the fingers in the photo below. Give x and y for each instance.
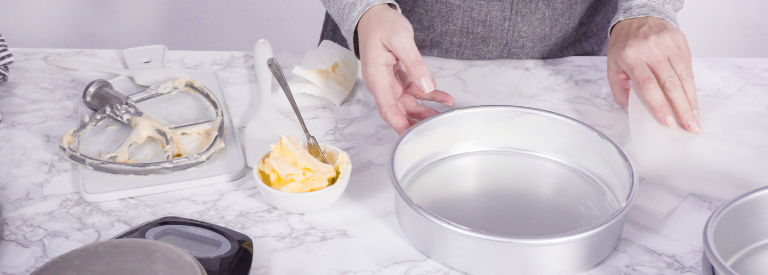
(655, 55)
(409, 99)
(680, 62)
(648, 88)
(395, 118)
(400, 110)
(414, 109)
(412, 89)
(663, 89)
(392, 65)
(436, 95)
(384, 89)
(619, 83)
(673, 90)
(682, 65)
(403, 46)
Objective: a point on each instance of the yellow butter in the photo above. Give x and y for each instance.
(289, 167)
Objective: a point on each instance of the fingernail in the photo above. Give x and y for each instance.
(670, 120)
(694, 125)
(696, 113)
(448, 104)
(426, 85)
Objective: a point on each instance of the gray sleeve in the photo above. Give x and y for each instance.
(347, 13)
(664, 9)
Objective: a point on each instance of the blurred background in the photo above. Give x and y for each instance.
(714, 28)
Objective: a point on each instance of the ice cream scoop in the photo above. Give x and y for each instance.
(100, 95)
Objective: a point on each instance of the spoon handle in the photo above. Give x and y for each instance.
(278, 73)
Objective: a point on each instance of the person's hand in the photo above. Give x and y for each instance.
(654, 54)
(393, 69)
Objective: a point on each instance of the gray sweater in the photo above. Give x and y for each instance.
(501, 29)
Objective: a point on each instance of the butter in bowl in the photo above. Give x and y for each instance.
(292, 180)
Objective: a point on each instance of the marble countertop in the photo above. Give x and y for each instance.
(359, 234)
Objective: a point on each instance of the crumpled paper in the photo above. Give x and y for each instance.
(328, 72)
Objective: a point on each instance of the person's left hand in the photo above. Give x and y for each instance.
(654, 54)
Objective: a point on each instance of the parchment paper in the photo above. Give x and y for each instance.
(728, 157)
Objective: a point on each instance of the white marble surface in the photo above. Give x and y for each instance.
(359, 234)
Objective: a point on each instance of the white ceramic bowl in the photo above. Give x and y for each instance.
(308, 201)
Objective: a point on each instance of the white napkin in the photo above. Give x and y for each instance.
(329, 72)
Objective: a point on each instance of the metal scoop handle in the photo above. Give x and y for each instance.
(100, 94)
(312, 146)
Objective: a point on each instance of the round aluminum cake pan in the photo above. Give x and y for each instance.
(736, 236)
(124, 257)
(511, 190)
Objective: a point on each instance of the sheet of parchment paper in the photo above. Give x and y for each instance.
(728, 157)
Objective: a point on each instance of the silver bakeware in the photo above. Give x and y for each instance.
(511, 190)
(124, 257)
(736, 236)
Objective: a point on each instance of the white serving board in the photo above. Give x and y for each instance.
(226, 165)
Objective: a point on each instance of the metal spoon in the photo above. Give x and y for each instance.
(312, 146)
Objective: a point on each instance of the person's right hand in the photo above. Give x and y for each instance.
(654, 54)
(393, 69)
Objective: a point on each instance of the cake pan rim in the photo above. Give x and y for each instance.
(716, 261)
(570, 236)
